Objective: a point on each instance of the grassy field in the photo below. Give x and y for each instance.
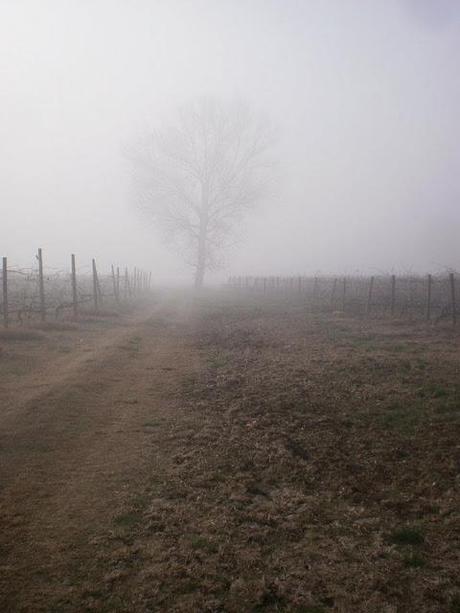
(223, 454)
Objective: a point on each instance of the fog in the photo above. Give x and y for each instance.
(364, 94)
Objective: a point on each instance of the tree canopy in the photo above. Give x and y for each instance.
(198, 175)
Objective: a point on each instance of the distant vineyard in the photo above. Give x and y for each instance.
(432, 297)
(41, 292)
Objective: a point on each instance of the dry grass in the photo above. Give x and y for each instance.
(99, 313)
(309, 464)
(317, 469)
(56, 326)
(19, 334)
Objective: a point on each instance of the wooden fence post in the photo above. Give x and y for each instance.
(95, 287)
(5, 292)
(99, 289)
(118, 284)
(393, 294)
(114, 283)
(334, 287)
(73, 277)
(369, 295)
(126, 288)
(452, 298)
(428, 297)
(41, 286)
(314, 301)
(344, 294)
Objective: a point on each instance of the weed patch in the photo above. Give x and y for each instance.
(407, 536)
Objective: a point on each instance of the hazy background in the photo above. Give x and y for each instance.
(365, 93)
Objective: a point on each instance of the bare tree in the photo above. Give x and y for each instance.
(198, 176)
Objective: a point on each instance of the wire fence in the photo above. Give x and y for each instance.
(41, 292)
(432, 297)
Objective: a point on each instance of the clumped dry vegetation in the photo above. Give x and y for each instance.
(317, 468)
(308, 463)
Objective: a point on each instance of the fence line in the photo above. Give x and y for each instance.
(29, 292)
(432, 297)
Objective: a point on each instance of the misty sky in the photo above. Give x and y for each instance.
(365, 95)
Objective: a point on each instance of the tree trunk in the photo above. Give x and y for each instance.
(199, 278)
(201, 259)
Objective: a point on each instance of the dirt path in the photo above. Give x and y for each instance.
(73, 443)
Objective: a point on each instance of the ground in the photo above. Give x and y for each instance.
(228, 453)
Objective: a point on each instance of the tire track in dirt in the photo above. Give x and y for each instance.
(77, 451)
(53, 372)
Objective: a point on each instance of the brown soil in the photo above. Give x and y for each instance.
(225, 455)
